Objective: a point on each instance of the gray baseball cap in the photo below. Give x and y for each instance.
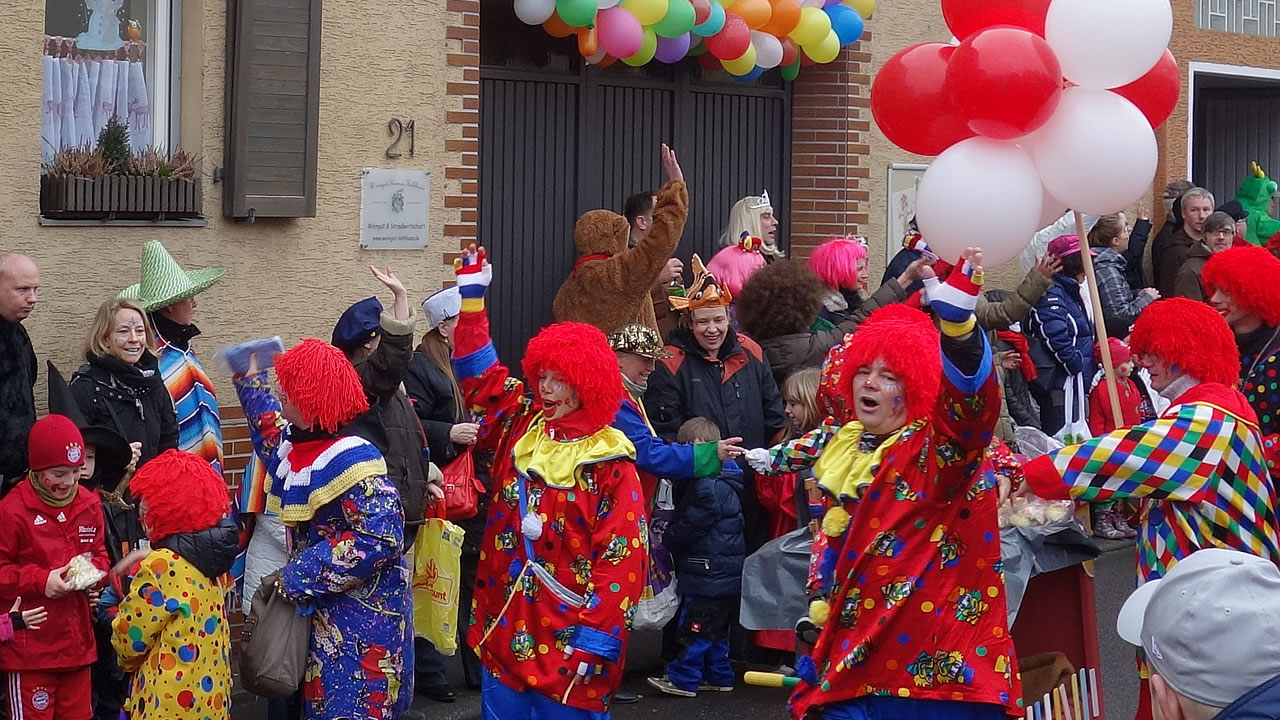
(1211, 626)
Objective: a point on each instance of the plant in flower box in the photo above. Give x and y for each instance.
(113, 182)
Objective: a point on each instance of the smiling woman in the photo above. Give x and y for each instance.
(119, 385)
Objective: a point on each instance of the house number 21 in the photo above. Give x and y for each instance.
(398, 130)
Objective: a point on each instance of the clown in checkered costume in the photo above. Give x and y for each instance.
(1199, 469)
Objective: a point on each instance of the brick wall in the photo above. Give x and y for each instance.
(831, 124)
(462, 137)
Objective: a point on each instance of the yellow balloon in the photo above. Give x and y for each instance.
(746, 63)
(825, 51)
(864, 7)
(646, 51)
(814, 26)
(647, 12)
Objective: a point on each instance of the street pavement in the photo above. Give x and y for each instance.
(1112, 583)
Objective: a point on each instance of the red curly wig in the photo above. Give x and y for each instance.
(580, 354)
(323, 383)
(908, 344)
(1188, 335)
(1251, 276)
(836, 262)
(181, 494)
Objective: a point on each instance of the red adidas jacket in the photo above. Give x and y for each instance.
(34, 539)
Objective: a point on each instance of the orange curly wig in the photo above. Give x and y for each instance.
(580, 354)
(1251, 276)
(1188, 335)
(322, 382)
(181, 494)
(908, 343)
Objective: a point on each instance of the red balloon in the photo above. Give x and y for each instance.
(1004, 81)
(701, 10)
(709, 62)
(733, 39)
(966, 17)
(909, 100)
(789, 52)
(1156, 93)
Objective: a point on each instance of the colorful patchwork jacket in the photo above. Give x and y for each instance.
(551, 599)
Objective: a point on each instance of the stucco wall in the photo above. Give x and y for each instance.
(292, 278)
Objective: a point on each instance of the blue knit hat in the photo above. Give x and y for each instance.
(358, 325)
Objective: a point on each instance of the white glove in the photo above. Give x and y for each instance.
(760, 460)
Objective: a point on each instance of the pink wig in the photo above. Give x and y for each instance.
(836, 262)
(733, 265)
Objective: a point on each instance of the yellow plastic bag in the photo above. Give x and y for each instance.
(437, 574)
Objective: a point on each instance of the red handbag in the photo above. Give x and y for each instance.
(461, 488)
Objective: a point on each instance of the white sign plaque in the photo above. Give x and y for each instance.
(393, 209)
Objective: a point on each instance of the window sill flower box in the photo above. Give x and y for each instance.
(119, 197)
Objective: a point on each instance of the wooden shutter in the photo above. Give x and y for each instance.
(273, 108)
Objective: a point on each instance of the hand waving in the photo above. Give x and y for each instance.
(670, 164)
(954, 300)
(388, 277)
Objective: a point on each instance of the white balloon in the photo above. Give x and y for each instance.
(979, 193)
(1051, 209)
(535, 12)
(1097, 153)
(768, 49)
(595, 59)
(606, 4)
(1108, 43)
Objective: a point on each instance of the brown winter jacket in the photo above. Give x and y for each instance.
(1170, 262)
(610, 284)
(1187, 282)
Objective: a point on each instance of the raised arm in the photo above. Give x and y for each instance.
(385, 368)
(642, 264)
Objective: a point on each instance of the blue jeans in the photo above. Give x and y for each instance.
(891, 708)
(499, 702)
(702, 639)
(428, 664)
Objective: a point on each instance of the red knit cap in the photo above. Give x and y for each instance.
(322, 383)
(54, 441)
(1250, 276)
(1120, 353)
(1190, 336)
(580, 354)
(907, 342)
(182, 494)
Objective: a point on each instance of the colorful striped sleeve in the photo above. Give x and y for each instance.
(1171, 458)
(802, 452)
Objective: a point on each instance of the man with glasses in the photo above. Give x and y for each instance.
(1219, 233)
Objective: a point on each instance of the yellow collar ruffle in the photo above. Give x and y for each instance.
(844, 469)
(559, 463)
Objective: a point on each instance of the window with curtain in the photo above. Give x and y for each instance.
(104, 59)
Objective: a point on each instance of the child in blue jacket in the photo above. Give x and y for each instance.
(706, 538)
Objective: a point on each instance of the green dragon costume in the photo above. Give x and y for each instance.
(1254, 195)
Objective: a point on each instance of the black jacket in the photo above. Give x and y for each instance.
(735, 390)
(130, 398)
(212, 550)
(391, 424)
(706, 535)
(17, 399)
(431, 393)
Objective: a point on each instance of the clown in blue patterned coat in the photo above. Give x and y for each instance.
(347, 533)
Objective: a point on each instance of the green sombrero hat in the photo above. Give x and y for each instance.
(164, 282)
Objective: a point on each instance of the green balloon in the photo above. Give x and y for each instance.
(792, 71)
(577, 13)
(647, 50)
(679, 19)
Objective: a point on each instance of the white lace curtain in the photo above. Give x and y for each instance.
(83, 90)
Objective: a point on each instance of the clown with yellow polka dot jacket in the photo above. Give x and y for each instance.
(171, 630)
(564, 557)
(906, 583)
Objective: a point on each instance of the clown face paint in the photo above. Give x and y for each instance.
(878, 399)
(558, 399)
(1240, 319)
(1162, 373)
(59, 482)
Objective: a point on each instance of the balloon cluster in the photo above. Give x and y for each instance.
(745, 37)
(1040, 106)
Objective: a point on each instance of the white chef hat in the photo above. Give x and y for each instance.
(443, 305)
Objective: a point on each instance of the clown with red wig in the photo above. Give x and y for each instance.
(175, 607)
(1243, 285)
(346, 532)
(1198, 469)
(565, 549)
(905, 582)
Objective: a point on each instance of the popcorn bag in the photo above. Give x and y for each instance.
(81, 574)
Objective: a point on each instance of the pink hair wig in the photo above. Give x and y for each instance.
(733, 265)
(836, 262)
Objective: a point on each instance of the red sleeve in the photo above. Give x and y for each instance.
(494, 398)
(1097, 404)
(17, 578)
(101, 559)
(618, 577)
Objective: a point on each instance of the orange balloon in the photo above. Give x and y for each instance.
(785, 18)
(556, 27)
(756, 13)
(587, 43)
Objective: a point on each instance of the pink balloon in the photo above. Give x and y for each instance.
(619, 32)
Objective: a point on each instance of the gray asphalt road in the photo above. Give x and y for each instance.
(1113, 582)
